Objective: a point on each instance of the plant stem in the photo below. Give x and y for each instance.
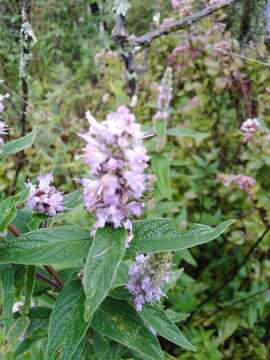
(44, 278)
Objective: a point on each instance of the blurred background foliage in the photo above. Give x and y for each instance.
(76, 66)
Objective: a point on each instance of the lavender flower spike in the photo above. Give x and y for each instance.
(146, 276)
(44, 198)
(117, 161)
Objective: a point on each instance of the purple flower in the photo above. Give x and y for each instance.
(117, 162)
(244, 182)
(44, 198)
(184, 7)
(3, 130)
(249, 127)
(2, 97)
(146, 276)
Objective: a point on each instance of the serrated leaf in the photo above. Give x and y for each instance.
(57, 245)
(160, 235)
(119, 321)
(67, 326)
(183, 132)
(157, 318)
(104, 258)
(15, 146)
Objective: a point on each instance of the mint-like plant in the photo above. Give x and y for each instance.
(83, 289)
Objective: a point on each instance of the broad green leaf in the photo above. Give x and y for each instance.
(15, 146)
(101, 347)
(121, 275)
(16, 331)
(161, 168)
(176, 316)
(182, 132)
(7, 290)
(119, 321)
(72, 200)
(160, 235)
(67, 326)
(157, 318)
(8, 209)
(56, 245)
(104, 258)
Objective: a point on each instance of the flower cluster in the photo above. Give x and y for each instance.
(164, 96)
(44, 198)
(117, 161)
(184, 7)
(244, 182)
(249, 127)
(146, 276)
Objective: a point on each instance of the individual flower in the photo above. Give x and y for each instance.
(117, 162)
(243, 182)
(146, 276)
(44, 198)
(3, 131)
(249, 127)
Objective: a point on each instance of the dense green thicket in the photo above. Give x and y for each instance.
(224, 286)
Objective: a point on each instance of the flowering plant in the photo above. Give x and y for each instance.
(111, 276)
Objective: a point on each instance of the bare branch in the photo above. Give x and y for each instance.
(147, 38)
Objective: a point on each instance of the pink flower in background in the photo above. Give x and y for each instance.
(117, 162)
(244, 182)
(183, 7)
(146, 276)
(44, 198)
(249, 127)
(267, 137)
(165, 95)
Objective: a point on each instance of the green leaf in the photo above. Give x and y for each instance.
(119, 321)
(72, 200)
(121, 275)
(16, 331)
(157, 318)
(104, 258)
(161, 168)
(160, 235)
(67, 326)
(101, 347)
(7, 281)
(176, 316)
(57, 245)
(187, 133)
(15, 146)
(8, 210)
(30, 284)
